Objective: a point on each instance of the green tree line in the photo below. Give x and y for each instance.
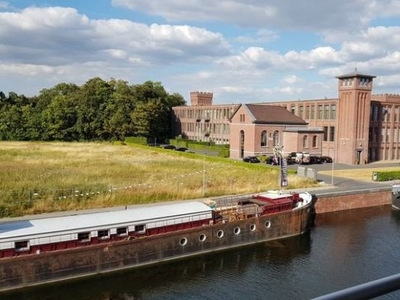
(97, 110)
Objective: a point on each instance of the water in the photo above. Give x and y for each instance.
(344, 249)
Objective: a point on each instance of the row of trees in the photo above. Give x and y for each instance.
(97, 110)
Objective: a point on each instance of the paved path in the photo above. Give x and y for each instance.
(329, 182)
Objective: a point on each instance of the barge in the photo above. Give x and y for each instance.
(42, 250)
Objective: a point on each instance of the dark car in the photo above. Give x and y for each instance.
(182, 149)
(167, 146)
(326, 159)
(251, 159)
(276, 160)
(273, 160)
(315, 159)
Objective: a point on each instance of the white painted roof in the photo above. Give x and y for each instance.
(136, 215)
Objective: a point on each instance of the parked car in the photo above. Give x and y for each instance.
(326, 159)
(291, 158)
(303, 158)
(168, 146)
(276, 160)
(315, 159)
(182, 149)
(273, 160)
(251, 159)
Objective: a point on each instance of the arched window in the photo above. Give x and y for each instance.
(264, 138)
(305, 141)
(241, 146)
(276, 138)
(314, 141)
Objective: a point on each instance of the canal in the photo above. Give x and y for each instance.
(344, 249)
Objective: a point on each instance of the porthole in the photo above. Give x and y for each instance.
(268, 224)
(183, 241)
(236, 230)
(220, 233)
(202, 237)
(253, 227)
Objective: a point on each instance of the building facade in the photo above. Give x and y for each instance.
(257, 129)
(203, 121)
(355, 128)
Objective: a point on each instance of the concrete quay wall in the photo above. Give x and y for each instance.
(343, 200)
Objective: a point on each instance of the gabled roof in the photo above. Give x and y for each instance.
(269, 114)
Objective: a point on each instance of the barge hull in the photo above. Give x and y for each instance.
(47, 267)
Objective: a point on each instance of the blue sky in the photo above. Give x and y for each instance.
(243, 51)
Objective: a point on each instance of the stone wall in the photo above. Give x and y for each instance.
(351, 200)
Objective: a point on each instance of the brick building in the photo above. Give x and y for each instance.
(256, 129)
(355, 128)
(203, 121)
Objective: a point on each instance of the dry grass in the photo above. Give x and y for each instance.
(362, 174)
(40, 177)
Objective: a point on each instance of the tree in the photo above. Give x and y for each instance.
(150, 119)
(93, 99)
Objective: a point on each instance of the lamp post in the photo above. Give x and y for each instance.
(204, 173)
(206, 135)
(333, 166)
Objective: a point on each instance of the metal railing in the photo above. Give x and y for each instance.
(367, 290)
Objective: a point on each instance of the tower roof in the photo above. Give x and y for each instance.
(355, 73)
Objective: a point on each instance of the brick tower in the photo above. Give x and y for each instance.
(201, 98)
(353, 118)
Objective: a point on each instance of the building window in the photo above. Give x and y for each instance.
(242, 118)
(307, 112)
(312, 112)
(375, 112)
(301, 111)
(325, 133)
(387, 112)
(276, 138)
(305, 142)
(326, 112)
(333, 111)
(314, 141)
(241, 144)
(293, 109)
(263, 138)
(320, 110)
(332, 133)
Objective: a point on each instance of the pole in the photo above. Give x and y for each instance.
(333, 167)
(204, 174)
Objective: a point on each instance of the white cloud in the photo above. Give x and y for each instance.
(312, 15)
(241, 52)
(58, 35)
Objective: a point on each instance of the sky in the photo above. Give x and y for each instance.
(244, 51)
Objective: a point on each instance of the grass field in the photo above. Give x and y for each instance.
(39, 177)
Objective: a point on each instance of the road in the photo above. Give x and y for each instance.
(329, 182)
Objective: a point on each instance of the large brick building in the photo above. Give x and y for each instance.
(357, 127)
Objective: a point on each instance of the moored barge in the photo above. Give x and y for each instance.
(42, 250)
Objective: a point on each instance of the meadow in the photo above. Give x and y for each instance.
(38, 177)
